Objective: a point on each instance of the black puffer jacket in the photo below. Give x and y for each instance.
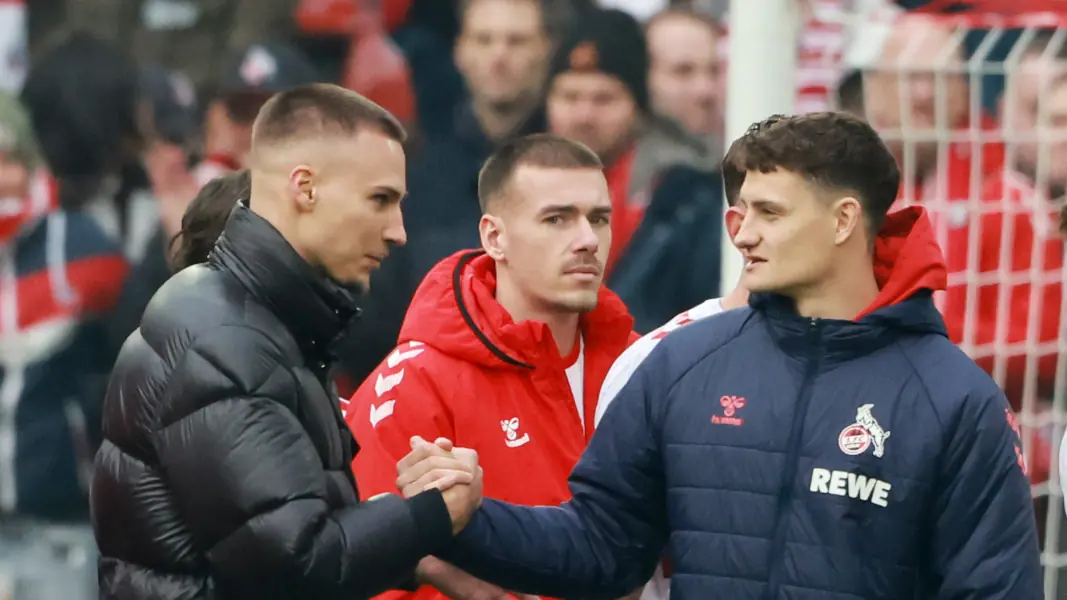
(225, 467)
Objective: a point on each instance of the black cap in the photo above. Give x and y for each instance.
(266, 69)
(612, 42)
(172, 98)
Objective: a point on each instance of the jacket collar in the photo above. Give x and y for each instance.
(314, 308)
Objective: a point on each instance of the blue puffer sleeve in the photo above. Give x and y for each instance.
(985, 536)
(605, 542)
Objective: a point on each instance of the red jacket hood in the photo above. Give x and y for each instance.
(455, 311)
(907, 258)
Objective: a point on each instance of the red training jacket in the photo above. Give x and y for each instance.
(466, 371)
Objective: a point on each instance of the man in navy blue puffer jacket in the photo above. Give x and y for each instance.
(827, 442)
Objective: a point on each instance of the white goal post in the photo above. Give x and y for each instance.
(761, 81)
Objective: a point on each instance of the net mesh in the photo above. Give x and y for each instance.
(975, 106)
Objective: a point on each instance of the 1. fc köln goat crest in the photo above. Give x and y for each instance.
(864, 433)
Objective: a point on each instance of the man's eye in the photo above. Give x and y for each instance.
(554, 220)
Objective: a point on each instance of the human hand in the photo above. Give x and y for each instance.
(468, 498)
(173, 184)
(454, 471)
(430, 466)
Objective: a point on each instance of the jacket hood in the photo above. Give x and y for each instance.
(455, 311)
(907, 259)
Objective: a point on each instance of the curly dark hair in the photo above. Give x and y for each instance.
(206, 217)
(833, 150)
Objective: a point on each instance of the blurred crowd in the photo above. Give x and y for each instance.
(117, 112)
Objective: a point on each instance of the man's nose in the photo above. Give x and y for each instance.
(586, 239)
(394, 231)
(706, 87)
(585, 113)
(747, 235)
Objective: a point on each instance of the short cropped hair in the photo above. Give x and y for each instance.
(318, 109)
(832, 150)
(692, 14)
(206, 217)
(545, 150)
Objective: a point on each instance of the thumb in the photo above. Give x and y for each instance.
(444, 444)
(416, 441)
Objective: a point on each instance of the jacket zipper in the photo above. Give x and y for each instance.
(796, 439)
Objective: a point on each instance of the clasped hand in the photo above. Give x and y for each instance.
(454, 471)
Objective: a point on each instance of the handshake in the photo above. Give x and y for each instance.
(440, 465)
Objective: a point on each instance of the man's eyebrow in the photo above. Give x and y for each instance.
(558, 208)
(571, 208)
(760, 203)
(390, 191)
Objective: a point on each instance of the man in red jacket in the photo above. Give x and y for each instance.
(504, 350)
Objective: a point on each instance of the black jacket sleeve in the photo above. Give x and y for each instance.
(251, 488)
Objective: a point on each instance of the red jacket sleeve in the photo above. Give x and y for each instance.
(392, 405)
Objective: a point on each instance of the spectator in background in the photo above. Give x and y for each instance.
(1018, 245)
(685, 84)
(248, 78)
(849, 95)
(200, 228)
(1041, 63)
(186, 35)
(170, 126)
(925, 55)
(84, 102)
(61, 275)
(206, 218)
(665, 231)
(502, 52)
(171, 131)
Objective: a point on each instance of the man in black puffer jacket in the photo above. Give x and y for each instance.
(225, 467)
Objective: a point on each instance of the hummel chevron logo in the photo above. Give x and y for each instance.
(377, 413)
(388, 382)
(398, 356)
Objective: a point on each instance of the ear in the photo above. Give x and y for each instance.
(302, 188)
(733, 218)
(491, 232)
(848, 219)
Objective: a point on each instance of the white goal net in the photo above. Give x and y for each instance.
(975, 106)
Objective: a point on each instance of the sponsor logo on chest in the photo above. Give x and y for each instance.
(850, 485)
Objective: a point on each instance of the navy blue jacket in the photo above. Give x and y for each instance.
(780, 457)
